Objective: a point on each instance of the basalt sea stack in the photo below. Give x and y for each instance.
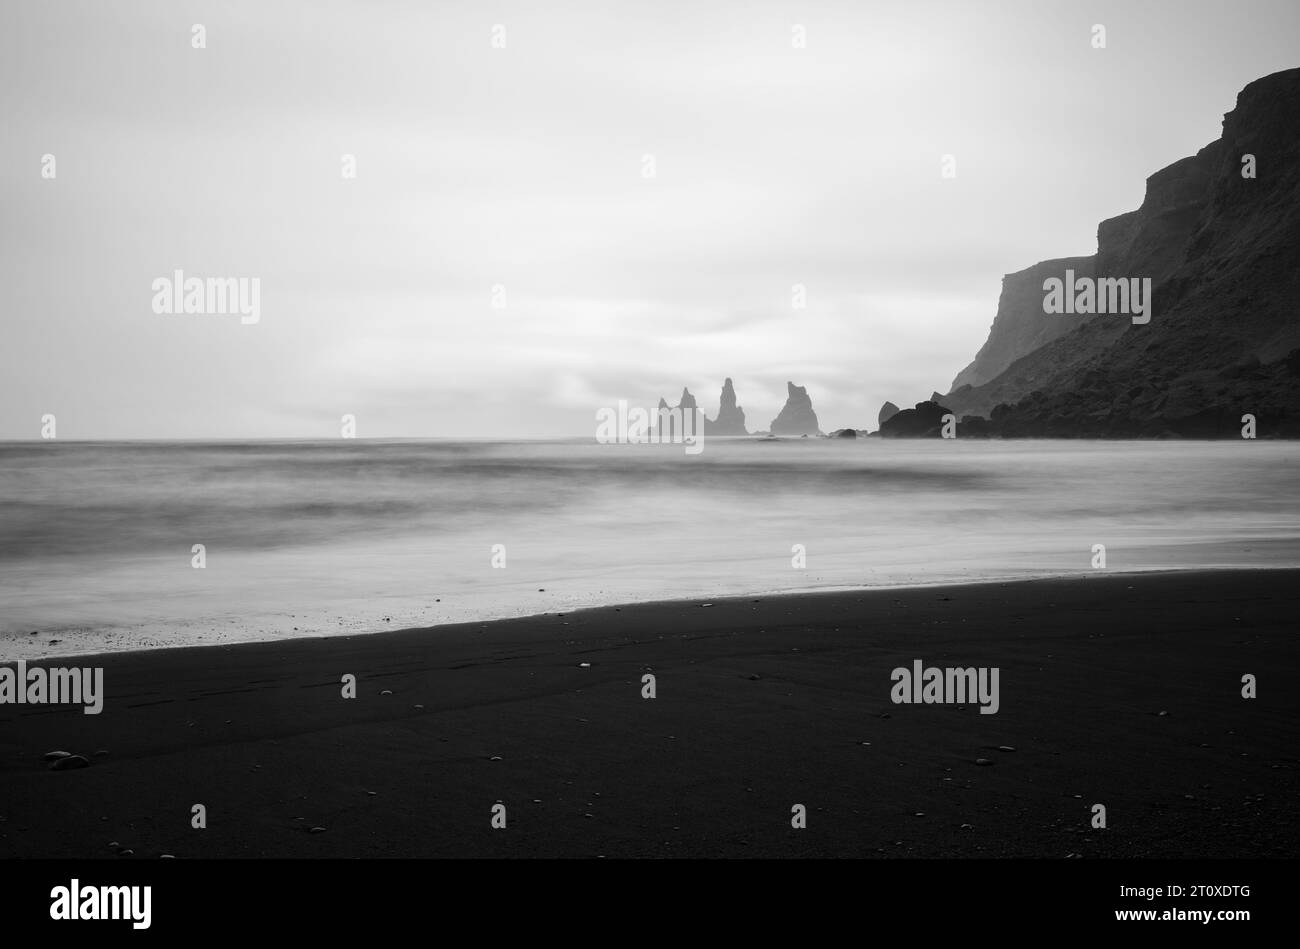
(797, 416)
(731, 417)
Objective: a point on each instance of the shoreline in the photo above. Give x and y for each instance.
(828, 590)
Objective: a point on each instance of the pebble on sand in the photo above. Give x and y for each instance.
(55, 755)
(1005, 748)
(316, 830)
(983, 762)
(69, 763)
(584, 665)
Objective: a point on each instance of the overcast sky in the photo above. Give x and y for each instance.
(523, 167)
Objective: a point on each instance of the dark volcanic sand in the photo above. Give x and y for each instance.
(762, 703)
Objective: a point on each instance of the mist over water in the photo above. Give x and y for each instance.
(348, 536)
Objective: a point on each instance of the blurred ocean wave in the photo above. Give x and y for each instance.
(96, 538)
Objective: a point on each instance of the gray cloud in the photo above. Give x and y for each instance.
(522, 167)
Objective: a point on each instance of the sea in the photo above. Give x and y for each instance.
(142, 545)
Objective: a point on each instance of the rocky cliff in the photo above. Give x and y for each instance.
(1223, 252)
(1019, 327)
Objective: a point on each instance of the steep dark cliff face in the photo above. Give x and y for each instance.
(1223, 254)
(1019, 327)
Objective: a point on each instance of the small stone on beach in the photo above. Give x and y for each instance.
(69, 763)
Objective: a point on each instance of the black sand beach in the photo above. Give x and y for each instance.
(1123, 690)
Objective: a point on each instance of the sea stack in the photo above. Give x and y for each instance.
(797, 417)
(687, 404)
(731, 417)
(887, 411)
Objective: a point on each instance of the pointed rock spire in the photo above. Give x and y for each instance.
(797, 416)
